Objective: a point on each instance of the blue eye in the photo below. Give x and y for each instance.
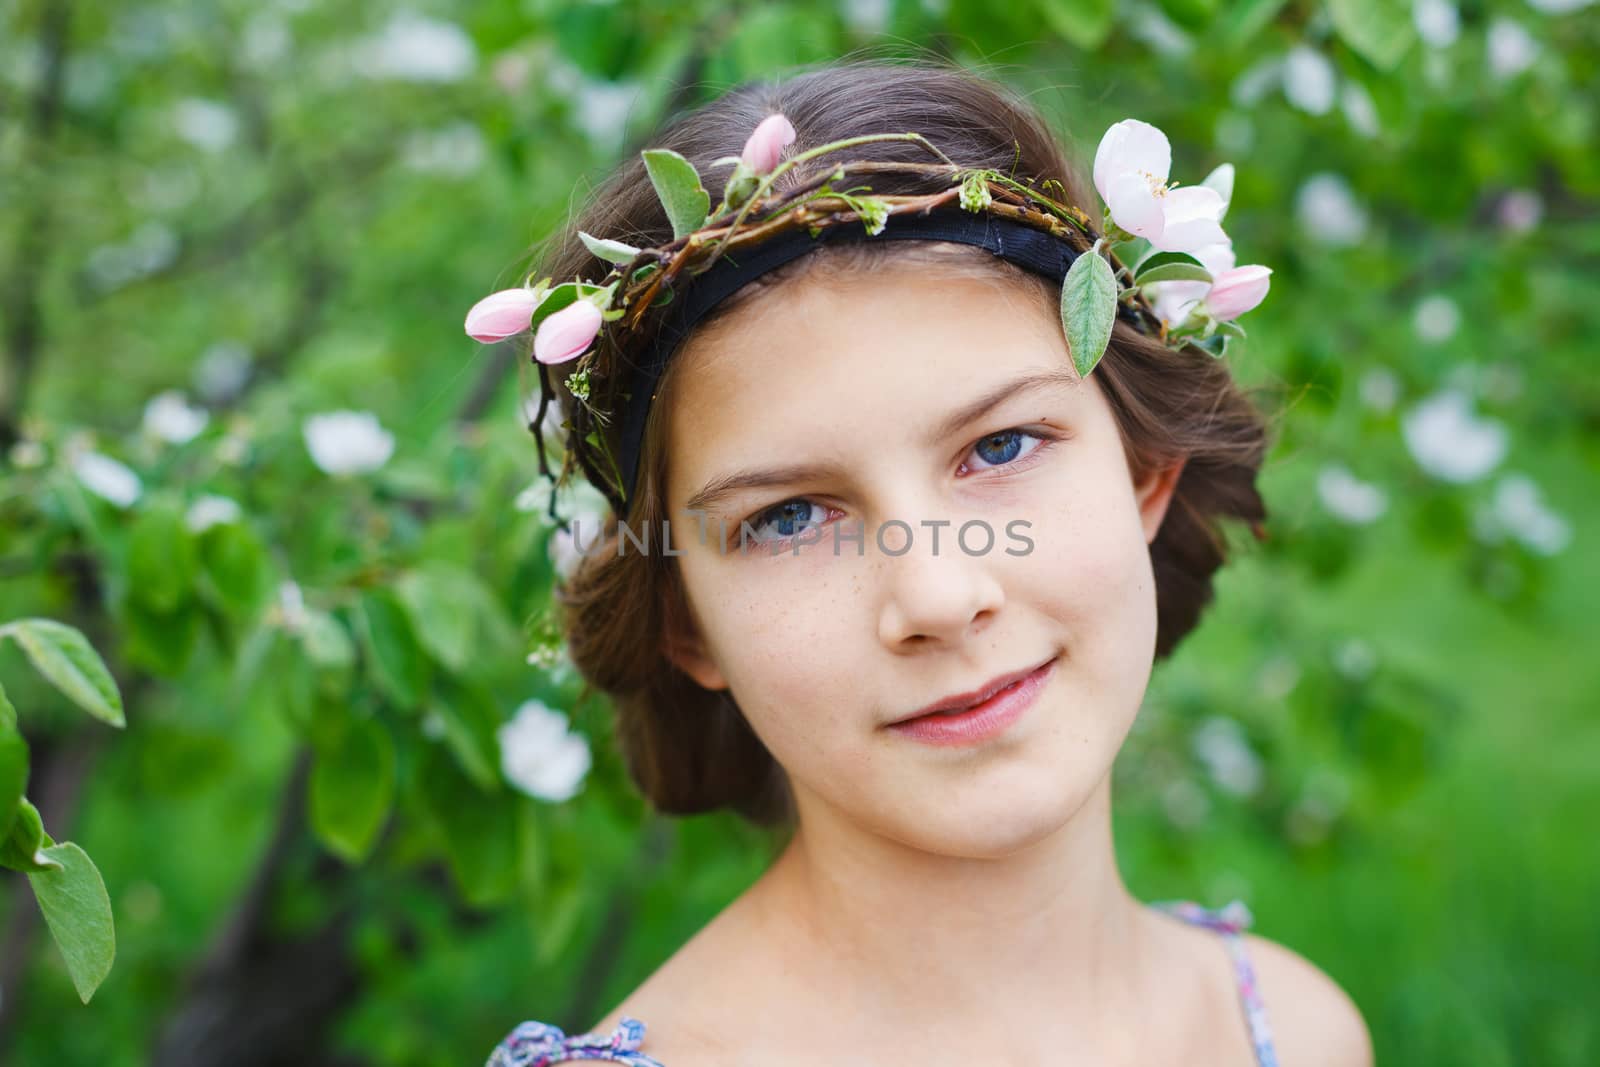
(790, 516)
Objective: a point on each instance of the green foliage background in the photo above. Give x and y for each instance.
(1383, 738)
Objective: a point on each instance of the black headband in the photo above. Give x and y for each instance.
(1029, 248)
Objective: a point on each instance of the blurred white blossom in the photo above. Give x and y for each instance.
(1558, 7)
(1359, 110)
(1327, 209)
(540, 755)
(1436, 319)
(1438, 22)
(456, 149)
(222, 371)
(1348, 497)
(107, 478)
(1380, 389)
(1520, 210)
(1355, 658)
(412, 47)
(266, 40)
(1309, 81)
(601, 107)
(27, 454)
(205, 124)
(291, 604)
(1256, 81)
(1165, 37)
(347, 442)
(1451, 443)
(1185, 804)
(1234, 766)
(866, 16)
(1517, 510)
(211, 510)
(151, 247)
(169, 417)
(1512, 48)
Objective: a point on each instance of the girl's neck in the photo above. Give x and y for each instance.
(900, 937)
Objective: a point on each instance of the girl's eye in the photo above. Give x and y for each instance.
(787, 518)
(999, 449)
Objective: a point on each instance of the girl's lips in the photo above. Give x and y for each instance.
(982, 721)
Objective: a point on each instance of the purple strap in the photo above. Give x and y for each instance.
(537, 1044)
(1231, 922)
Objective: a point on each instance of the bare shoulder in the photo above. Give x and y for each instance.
(1313, 1020)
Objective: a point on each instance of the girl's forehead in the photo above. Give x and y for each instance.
(824, 368)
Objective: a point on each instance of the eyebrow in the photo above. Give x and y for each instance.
(720, 488)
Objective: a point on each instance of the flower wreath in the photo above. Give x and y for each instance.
(1183, 288)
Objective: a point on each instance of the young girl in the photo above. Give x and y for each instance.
(919, 568)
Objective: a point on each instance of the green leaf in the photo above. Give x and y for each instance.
(394, 658)
(235, 564)
(1084, 23)
(608, 250)
(326, 642)
(1192, 15)
(161, 558)
(21, 849)
(13, 766)
(478, 830)
(161, 641)
(470, 717)
(440, 604)
(1170, 271)
(352, 789)
(1088, 309)
(678, 187)
(1381, 31)
(1243, 19)
(64, 656)
(78, 911)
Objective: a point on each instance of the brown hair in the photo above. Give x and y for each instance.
(691, 750)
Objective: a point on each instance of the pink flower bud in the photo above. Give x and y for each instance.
(499, 315)
(1236, 291)
(764, 150)
(568, 333)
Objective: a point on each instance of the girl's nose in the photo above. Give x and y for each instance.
(942, 594)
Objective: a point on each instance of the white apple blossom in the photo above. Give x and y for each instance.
(211, 510)
(412, 47)
(1451, 443)
(1512, 48)
(1359, 110)
(540, 755)
(1517, 510)
(1519, 210)
(1349, 498)
(107, 478)
(1438, 22)
(1327, 209)
(1436, 319)
(169, 417)
(1131, 167)
(206, 124)
(1309, 81)
(1233, 765)
(1380, 389)
(347, 442)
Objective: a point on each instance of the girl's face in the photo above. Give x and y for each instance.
(925, 403)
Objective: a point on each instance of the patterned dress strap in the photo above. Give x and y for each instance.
(537, 1044)
(1231, 921)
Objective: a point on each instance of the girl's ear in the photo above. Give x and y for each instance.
(686, 650)
(1154, 493)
